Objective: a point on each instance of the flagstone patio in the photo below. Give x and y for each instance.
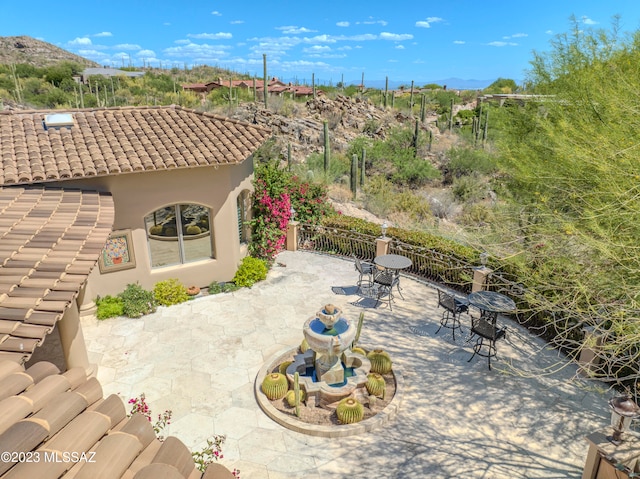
(526, 418)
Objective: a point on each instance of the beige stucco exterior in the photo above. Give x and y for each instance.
(136, 195)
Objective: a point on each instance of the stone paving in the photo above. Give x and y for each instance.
(526, 418)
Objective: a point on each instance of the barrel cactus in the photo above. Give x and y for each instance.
(359, 351)
(376, 385)
(156, 230)
(291, 397)
(282, 369)
(304, 346)
(275, 386)
(349, 411)
(193, 230)
(380, 361)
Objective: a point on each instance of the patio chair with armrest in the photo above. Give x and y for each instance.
(487, 332)
(385, 281)
(453, 308)
(364, 269)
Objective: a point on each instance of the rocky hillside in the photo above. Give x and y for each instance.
(25, 49)
(347, 117)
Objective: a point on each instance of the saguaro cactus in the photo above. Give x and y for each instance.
(354, 175)
(265, 90)
(326, 146)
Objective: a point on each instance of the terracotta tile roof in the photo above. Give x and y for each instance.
(48, 415)
(119, 140)
(50, 240)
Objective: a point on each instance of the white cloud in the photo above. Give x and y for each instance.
(103, 34)
(418, 61)
(459, 42)
(549, 32)
(199, 52)
(317, 49)
(427, 23)
(80, 41)
(210, 36)
(92, 53)
(346, 47)
(236, 22)
(384, 23)
(400, 47)
(396, 37)
(146, 53)
(515, 35)
(342, 24)
(392, 61)
(216, 13)
(587, 21)
(292, 30)
(502, 44)
(182, 42)
(127, 46)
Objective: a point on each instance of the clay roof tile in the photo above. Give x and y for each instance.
(119, 140)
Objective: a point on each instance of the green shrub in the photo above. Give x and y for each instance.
(170, 292)
(251, 270)
(109, 307)
(137, 301)
(217, 288)
(466, 161)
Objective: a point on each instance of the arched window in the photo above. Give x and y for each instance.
(179, 234)
(244, 215)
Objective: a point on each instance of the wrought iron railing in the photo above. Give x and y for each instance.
(427, 263)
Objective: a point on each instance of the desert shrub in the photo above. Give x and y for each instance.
(477, 214)
(137, 301)
(468, 189)
(251, 270)
(465, 161)
(371, 126)
(170, 292)
(109, 307)
(417, 206)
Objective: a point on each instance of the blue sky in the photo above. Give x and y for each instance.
(421, 41)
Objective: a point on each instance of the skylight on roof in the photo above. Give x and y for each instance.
(58, 120)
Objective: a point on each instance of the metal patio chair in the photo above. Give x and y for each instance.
(453, 308)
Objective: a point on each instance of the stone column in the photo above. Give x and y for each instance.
(72, 339)
(382, 246)
(480, 278)
(292, 235)
(86, 305)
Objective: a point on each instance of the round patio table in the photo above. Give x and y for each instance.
(491, 302)
(393, 261)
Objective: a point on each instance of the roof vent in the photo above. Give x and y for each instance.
(58, 120)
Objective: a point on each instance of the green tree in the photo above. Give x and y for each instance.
(573, 167)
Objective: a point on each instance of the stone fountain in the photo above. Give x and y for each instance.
(328, 370)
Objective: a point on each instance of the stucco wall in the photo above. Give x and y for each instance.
(136, 195)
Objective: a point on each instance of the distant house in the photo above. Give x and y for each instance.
(105, 72)
(202, 88)
(220, 83)
(151, 193)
